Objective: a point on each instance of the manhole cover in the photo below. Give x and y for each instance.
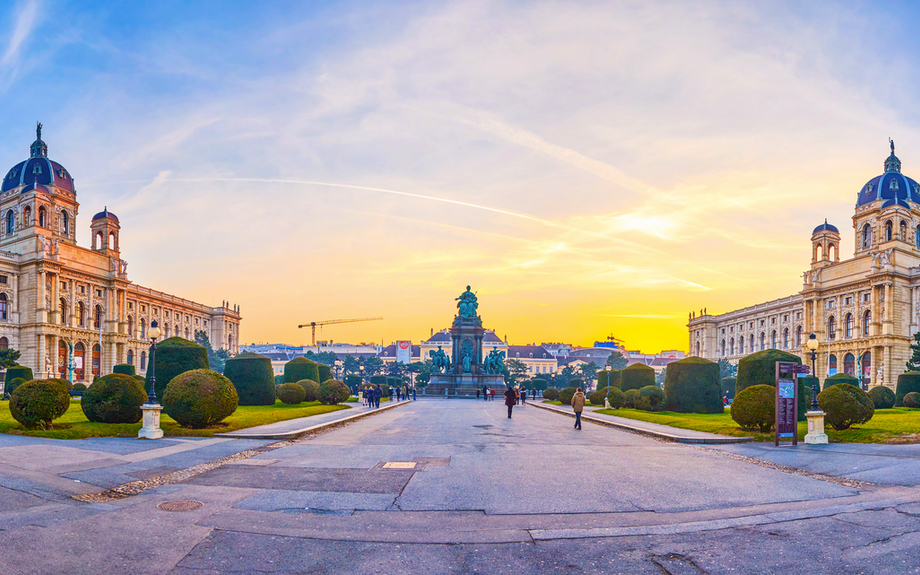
(182, 505)
(399, 465)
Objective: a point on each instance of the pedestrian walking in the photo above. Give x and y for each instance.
(578, 404)
(413, 394)
(378, 393)
(477, 392)
(398, 393)
(523, 397)
(510, 399)
(517, 395)
(485, 393)
(491, 394)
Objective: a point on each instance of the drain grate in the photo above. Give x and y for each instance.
(180, 505)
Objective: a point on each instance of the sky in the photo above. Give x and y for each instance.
(589, 168)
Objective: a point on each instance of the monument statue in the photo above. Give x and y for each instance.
(467, 304)
(494, 362)
(439, 360)
(466, 358)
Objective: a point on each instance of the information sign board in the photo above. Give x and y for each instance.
(787, 391)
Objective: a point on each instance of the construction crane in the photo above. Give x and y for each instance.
(313, 324)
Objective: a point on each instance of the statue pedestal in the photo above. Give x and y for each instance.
(151, 428)
(816, 435)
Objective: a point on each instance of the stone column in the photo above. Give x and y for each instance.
(42, 310)
(55, 311)
(73, 304)
(14, 305)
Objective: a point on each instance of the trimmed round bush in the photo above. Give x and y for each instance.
(115, 398)
(755, 407)
(291, 393)
(598, 397)
(11, 386)
(566, 394)
(760, 368)
(882, 397)
(728, 387)
(551, 393)
(199, 398)
(300, 368)
(125, 369)
(636, 376)
(845, 406)
(333, 391)
(539, 383)
(310, 389)
(692, 385)
(66, 383)
(630, 396)
(82, 387)
(616, 397)
(325, 372)
(907, 382)
(378, 379)
(18, 371)
(252, 377)
(175, 356)
(912, 400)
(37, 403)
(576, 383)
(841, 378)
(651, 398)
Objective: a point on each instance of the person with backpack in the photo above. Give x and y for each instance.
(510, 399)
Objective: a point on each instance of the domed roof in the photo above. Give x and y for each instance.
(105, 214)
(825, 227)
(38, 169)
(892, 187)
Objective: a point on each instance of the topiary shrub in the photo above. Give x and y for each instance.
(551, 393)
(82, 387)
(175, 356)
(882, 397)
(651, 398)
(393, 382)
(636, 376)
(845, 405)
(291, 393)
(566, 394)
(539, 384)
(576, 382)
(353, 381)
(841, 378)
(325, 372)
(616, 397)
(332, 392)
(199, 398)
(11, 386)
(755, 407)
(692, 385)
(378, 379)
(907, 382)
(38, 403)
(912, 400)
(125, 369)
(728, 387)
(602, 380)
(598, 397)
(300, 368)
(630, 396)
(115, 398)
(252, 377)
(310, 388)
(279, 379)
(66, 383)
(18, 371)
(760, 368)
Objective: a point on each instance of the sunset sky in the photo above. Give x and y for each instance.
(590, 168)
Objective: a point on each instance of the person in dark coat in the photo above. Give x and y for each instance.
(378, 393)
(523, 397)
(478, 391)
(485, 393)
(578, 405)
(510, 399)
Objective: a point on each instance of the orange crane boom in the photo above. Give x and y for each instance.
(313, 324)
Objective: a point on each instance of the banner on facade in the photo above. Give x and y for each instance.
(404, 352)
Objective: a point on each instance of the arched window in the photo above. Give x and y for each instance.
(97, 317)
(81, 314)
(65, 222)
(888, 231)
(773, 340)
(832, 365)
(4, 343)
(97, 359)
(130, 357)
(731, 346)
(143, 328)
(111, 242)
(917, 237)
(798, 335)
(10, 222)
(867, 236)
(865, 366)
(763, 341)
(697, 349)
(741, 345)
(786, 338)
(831, 329)
(131, 327)
(849, 364)
(62, 359)
(79, 354)
(902, 231)
(27, 216)
(143, 360)
(165, 330)
(751, 347)
(848, 327)
(723, 347)
(867, 319)
(41, 217)
(187, 334)
(63, 310)
(3, 307)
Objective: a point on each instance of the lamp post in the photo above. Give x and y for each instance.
(814, 416)
(338, 369)
(607, 397)
(361, 385)
(812, 345)
(151, 409)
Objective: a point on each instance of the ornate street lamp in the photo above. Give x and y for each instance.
(607, 399)
(812, 345)
(151, 409)
(154, 333)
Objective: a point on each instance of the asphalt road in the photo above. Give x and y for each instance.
(453, 486)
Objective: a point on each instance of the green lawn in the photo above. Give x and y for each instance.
(897, 425)
(74, 425)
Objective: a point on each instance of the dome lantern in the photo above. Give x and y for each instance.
(39, 148)
(892, 163)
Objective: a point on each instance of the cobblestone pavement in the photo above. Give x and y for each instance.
(454, 486)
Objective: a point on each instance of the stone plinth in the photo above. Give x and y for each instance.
(151, 428)
(816, 435)
(463, 385)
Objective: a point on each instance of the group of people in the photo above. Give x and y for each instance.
(373, 394)
(486, 392)
(514, 395)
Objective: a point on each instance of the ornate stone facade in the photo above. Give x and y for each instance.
(59, 300)
(864, 310)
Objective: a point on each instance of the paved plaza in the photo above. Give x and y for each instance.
(454, 486)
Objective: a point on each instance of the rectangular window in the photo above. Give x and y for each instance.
(64, 285)
(82, 289)
(3, 280)
(98, 293)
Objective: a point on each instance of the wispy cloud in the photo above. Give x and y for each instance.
(25, 20)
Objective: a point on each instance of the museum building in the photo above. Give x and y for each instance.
(863, 310)
(58, 299)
